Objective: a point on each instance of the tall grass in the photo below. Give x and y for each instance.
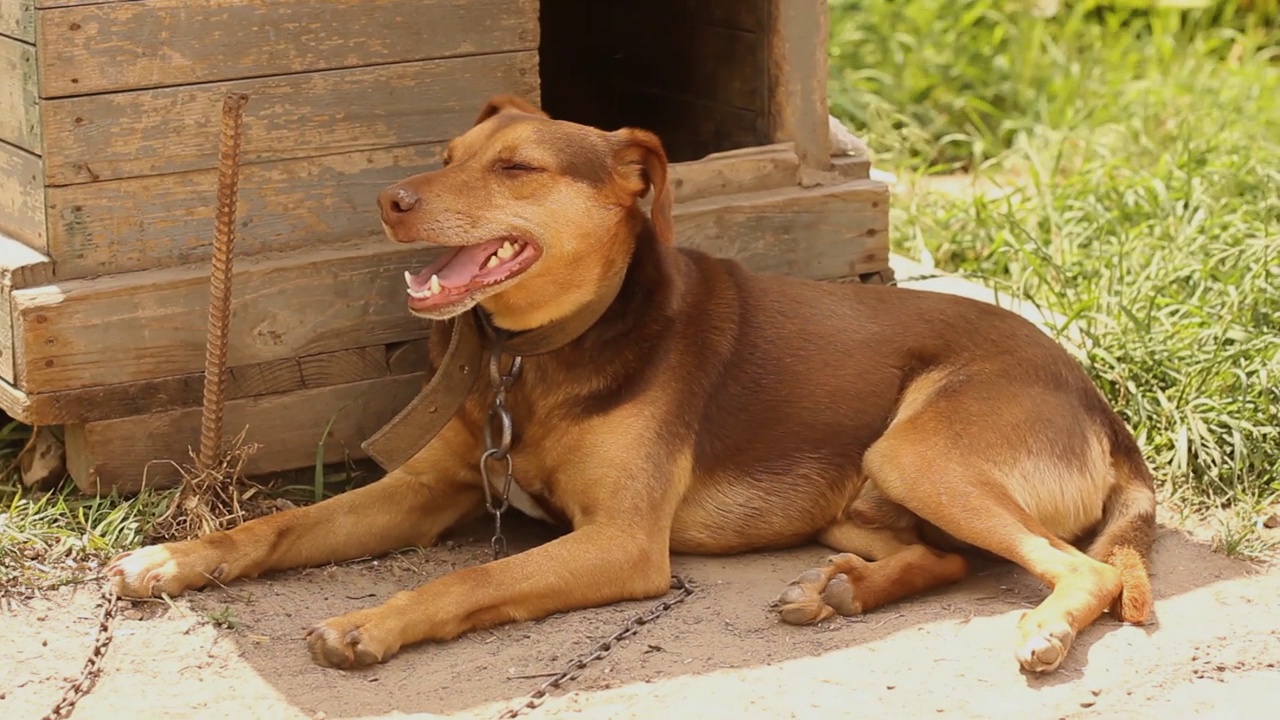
(1145, 149)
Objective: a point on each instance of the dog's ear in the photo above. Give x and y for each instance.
(505, 102)
(642, 164)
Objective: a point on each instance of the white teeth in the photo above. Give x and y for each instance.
(434, 285)
(493, 262)
(408, 278)
(507, 251)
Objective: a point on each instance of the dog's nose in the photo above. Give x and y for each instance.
(397, 200)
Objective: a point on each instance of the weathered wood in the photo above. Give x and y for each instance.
(145, 397)
(19, 106)
(163, 221)
(22, 213)
(288, 427)
(735, 171)
(797, 43)
(134, 45)
(139, 326)
(20, 267)
(852, 167)
(146, 325)
(820, 233)
(14, 402)
(169, 130)
(18, 19)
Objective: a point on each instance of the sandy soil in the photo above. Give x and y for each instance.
(1214, 650)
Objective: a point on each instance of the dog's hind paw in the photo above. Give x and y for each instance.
(818, 594)
(350, 641)
(1042, 650)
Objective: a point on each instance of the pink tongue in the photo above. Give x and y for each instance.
(465, 265)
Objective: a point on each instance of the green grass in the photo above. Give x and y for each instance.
(1145, 152)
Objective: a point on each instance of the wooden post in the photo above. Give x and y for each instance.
(797, 42)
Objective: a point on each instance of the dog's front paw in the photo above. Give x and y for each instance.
(353, 640)
(164, 569)
(1044, 645)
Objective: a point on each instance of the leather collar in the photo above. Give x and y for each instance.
(473, 333)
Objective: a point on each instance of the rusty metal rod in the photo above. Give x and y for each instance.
(224, 240)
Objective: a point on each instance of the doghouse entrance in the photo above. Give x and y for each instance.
(693, 71)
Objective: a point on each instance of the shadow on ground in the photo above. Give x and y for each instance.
(720, 654)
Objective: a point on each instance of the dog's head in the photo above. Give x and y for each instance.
(536, 215)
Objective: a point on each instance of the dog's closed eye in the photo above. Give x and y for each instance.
(512, 166)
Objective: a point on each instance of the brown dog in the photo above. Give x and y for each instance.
(707, 410)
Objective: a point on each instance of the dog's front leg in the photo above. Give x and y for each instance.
(595, 565)
(410, 506)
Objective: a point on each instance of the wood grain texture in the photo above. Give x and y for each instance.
(797, 67)
(18, 19)
(140, 326)
(115, 454)
(170, 130)
(735, 171)
(185, 391)
(134, 45)
(819, 233)
(20, 267)
(19, 106)
(164, 221)
(14, 402)
(22, 212)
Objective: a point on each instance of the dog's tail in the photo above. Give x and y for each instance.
(1127, 530)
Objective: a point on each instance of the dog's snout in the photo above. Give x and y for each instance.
(397, 200)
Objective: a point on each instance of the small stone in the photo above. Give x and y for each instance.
(1088, 703)
(132, 614)
(1272, 522)
(320, 715)
(1096, 692)
(890, 687)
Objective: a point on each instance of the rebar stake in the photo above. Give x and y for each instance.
(224, 239)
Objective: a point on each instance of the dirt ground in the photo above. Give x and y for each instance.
(1214, 650)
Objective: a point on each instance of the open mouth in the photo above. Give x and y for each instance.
(462, 272)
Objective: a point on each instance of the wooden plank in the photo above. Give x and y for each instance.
(14, 402)
(169, 130)
(19, 106)
(140, 326)
(735, 171)
(20, 267)
(22, 213)
(167, 220)
(132, 45)
(819, 233)
(797, 43)
(18, 19)
(147, 325)
(288, 427)
(186, 391)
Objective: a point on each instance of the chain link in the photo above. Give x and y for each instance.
(92, 666)
(579, 664)
(498, 432)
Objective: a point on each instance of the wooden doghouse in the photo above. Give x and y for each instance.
(108, 141)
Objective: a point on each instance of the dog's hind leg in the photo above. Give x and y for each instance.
(850, 585)
(966, 498)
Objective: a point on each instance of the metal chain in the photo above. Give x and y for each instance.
(498, 449)
(579, 664)
(92, 666)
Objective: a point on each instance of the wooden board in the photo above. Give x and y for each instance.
(85, 333)
(186, 391)
(20, 267)
(167, 220)
(140, 326)
(114, 454)
(19, 106)
(22, 213)
(820, 233)
(169, 130)
(797, 70)
(132, 45)
(735, 171)
(18, 19)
